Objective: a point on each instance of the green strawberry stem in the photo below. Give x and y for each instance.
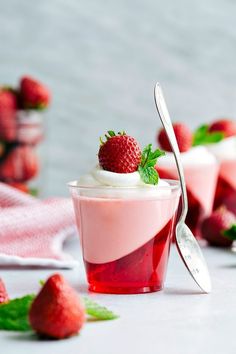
(146, 169)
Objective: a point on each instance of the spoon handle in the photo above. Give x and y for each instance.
(166, 121)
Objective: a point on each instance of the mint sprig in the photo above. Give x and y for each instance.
(202, 136)
(100, 312)
(146, 169)
(230, 233)
(14, 314)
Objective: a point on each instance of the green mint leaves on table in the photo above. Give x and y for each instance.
(100, 312)
(14, 314)
(202, 136)
(231, 233)
(146, 169)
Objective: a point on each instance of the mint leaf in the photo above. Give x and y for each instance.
(230, 233)
(100, 312)
(202, 136)
(148, 175)
(14, 314)
(146, 168)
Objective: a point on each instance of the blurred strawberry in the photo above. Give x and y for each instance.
(8, 108)
(57, 311)
(34, 95)
(215, 227)
(19, 165)
(225, 126)
(183, 135)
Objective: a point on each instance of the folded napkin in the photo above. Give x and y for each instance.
(32, 231)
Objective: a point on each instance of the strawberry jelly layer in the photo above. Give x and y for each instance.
(200, 180)
(113, 228)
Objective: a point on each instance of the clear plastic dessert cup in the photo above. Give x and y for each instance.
(125, 234)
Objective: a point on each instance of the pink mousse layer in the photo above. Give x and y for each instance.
(228, 172)
(113, 228)
(200, 180)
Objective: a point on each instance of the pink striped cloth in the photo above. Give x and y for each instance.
(32, 231)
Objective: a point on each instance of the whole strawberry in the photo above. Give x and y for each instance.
(120, 153)
(215, 228)
(3, 293)
(225, 126)
(33, 94)
(183, 135)
(19, 165)
(57, 311)
(8, 108)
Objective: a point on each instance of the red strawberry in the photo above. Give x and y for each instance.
(215, 225)
(226, 126)
(183, 135)
(120, 153)
(8, 107)
(19, 165)
(3, 293)
(33, 93)
(57, 311)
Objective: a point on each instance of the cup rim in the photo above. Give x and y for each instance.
(173, 185)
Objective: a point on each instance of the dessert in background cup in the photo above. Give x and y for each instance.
(225, 152)
(21, 133)
(125, 216)
(201, 173)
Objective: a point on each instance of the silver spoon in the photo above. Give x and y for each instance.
(187, 244)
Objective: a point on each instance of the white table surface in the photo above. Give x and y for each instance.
(177, 320)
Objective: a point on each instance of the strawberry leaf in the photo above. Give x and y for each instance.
(100, 312)
(230, 233)
(146, 168)
(202, 136)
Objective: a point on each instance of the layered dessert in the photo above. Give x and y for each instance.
(125, 215)
(200, 170)
(225, 152)
(21, 133)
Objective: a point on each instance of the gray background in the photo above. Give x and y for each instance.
(101, 59)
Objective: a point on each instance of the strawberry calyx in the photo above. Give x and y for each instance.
(110, 134)
(146, 169)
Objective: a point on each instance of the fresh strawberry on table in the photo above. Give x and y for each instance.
(183, 135)
(57, 311)
(225, 126)
(33, 94)
(8, 109)
(19, 165)
(219, 229)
